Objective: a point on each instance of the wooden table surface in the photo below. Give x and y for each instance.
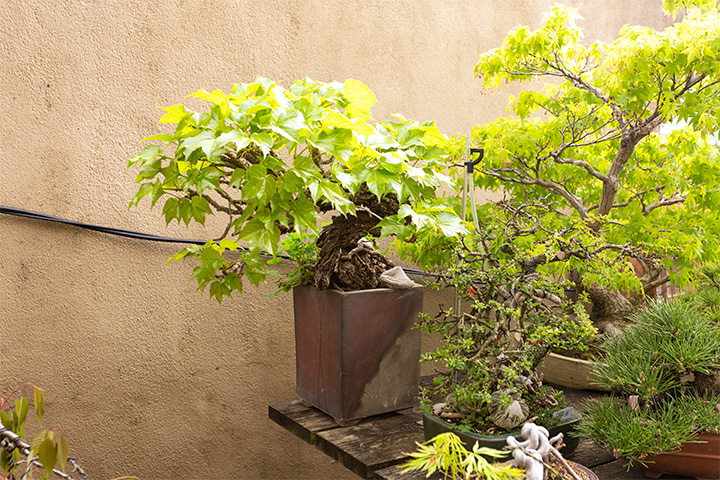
(376, 446)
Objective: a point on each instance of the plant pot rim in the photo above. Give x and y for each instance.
(569, 358)
(365, 290)
(569, 372)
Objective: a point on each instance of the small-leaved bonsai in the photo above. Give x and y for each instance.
(512, 314)
(272, 160)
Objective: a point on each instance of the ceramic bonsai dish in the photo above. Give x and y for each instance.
(433, 426)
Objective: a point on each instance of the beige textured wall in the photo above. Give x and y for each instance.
(145, 376)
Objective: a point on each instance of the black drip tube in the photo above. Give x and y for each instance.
(130, 234)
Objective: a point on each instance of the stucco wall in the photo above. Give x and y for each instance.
(145, 376)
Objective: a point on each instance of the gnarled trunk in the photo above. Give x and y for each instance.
(610, 309)
(346, 260)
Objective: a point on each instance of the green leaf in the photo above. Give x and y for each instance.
(331, 192)
(5, 461)
(184, 210)
(5, 420)
(200, 208)
(335, 142)
(149, 171)
(206, 141)
(21, 407)
(175, 114)
(418, 219)
(450, 224)
(237, 178)
(360, 98)
(304, 214)
(258, 185)
(238, 137)
(164, 137)
(288, 124)
(263, 140)
(255, 268)
(219, 290)
(261, 234)
(63, 452)
(47, 454)
(147, 154)
(377, 180)
(39, 402)
(42, 435)
(229, 244)
(171, 210)
(392, 226)
(203, 139)
(305, 168)
(378, 141)
(217, 97)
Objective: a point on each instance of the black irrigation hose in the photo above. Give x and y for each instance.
(130, 234)
(113, 231)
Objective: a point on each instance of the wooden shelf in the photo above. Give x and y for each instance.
(376, 446)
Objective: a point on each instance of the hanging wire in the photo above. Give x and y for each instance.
(141, 236)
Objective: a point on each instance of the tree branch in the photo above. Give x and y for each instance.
(664, 203)
(582, 164)
(14, 441)
(553, 187)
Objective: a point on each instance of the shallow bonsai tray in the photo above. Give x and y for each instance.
(568, 372)
(699, 460)
(433, 426)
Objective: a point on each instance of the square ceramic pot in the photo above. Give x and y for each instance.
(357, 354)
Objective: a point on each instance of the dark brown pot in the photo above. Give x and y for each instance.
(699, 460)
(357, 354)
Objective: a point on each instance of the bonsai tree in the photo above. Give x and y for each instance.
(514, 314)
(447, 453)
(273, 160)
(534, 458)
(664, 370)
(591, 140)
(45, 456)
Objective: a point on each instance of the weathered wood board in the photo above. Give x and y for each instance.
(377, 445)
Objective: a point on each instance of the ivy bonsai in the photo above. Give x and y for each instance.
(591, 141)
(273, 160)
(514, 313)
(664, 370)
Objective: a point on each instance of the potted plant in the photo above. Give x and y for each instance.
(534, 458)
(47, 455)
(273, 161)
(620, 136)
(664, 370)
(511, 314)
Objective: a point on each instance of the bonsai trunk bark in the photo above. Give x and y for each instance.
(346, 260)
(609, 309)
